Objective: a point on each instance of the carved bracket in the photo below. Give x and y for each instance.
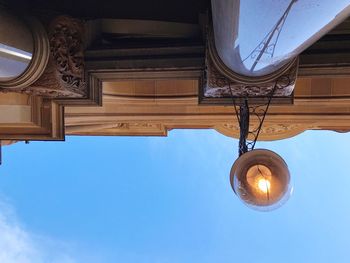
(220, 84)
(64, 74)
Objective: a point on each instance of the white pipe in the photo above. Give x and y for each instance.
(257, 37)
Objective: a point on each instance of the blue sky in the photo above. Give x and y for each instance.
(168, 199)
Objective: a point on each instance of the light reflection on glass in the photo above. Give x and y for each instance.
(16, 47)
(258, 37)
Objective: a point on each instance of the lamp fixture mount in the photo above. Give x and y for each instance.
(260, 178)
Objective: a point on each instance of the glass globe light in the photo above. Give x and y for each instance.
(261, 179)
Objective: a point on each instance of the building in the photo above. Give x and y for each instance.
(141, 68)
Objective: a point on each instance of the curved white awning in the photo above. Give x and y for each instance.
(257, 37)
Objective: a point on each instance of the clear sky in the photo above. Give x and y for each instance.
(168, 200)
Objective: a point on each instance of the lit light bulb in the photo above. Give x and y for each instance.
(264, 185)
(261, 179)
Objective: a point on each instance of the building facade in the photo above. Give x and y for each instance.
(144, 69)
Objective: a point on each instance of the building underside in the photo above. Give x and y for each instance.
(141, 67)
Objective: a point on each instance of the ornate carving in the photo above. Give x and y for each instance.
(270, 131)
(230, 126)
(218, 86)
(64, 75)
(137, 126)
(119, 128)
(66, 44)
(49, 93)
(280, 128)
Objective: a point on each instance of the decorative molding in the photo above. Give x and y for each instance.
(67, 50)
(220, 84)
(57, 70)
(119, 128)
(64, 76)
(319, 71)
(269, 131)
(272, 131)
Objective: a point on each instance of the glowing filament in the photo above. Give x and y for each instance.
(264, 185)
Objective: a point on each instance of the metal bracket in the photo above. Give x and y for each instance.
(258, 110)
